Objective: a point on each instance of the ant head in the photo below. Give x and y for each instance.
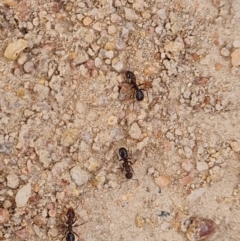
(128, 175)
(123, 153)
(70, 213)
(139, 95)
(129, 74)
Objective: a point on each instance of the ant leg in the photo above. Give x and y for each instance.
(74, 220)
(130, 162)
(65, 235)
(131, 169)
(79, 224)
(75, 234)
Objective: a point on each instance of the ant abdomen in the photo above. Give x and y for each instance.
(139, 95)
(70, 237)
(123, 153)
(128, 175)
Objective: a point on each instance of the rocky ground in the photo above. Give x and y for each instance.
(66, 108)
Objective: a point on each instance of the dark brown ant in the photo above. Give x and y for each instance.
(126, 163)
(139, 92)
(70, 221)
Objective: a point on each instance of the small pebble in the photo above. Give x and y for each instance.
(22, 59)
(112, 120)
(194, 195)
(79, 176)
(112, 29)
(236, 57)
(236, 43)
(13, 181)
(162, 14)
(235, 145)
(109, 54)
(202, 166)
(23, 195)
(188, 151)
(97, 26)
(10, 2)
(187, 165)
(162, 181)
(139, 221)
(52, 213)
(150, 70)
(117, 64)
(150, 170)
(87, 21)
(7, 204)
(14, 49)
(225, 52)
(135, 131)
(28, 67)
(165, 226)
(130, 14)
(4, 216)
(199, 228)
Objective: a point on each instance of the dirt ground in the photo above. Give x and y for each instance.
(66, 107)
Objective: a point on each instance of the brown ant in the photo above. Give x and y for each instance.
(70, 221)
(139, 92)
(126, 163)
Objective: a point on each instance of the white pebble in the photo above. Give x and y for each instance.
(79, 176)
(23, 195)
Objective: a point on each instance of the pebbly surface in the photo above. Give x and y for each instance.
(66, 108)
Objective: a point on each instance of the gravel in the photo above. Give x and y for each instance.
(66, 108)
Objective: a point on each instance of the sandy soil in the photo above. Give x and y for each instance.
(66, 108)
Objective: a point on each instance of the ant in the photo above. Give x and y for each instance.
(70, 221)
(139, 92)
(126, 164)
